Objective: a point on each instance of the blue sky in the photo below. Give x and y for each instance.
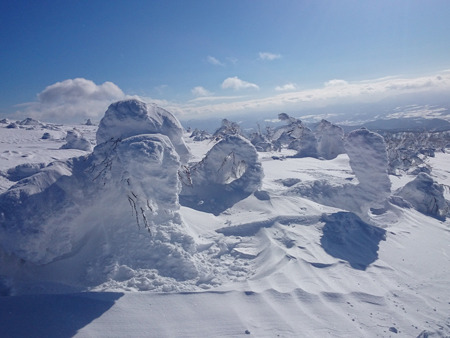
(67, 60)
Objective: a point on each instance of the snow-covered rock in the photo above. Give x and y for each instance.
(46, 136)
(426, 196)
(24, 170)
(134, 117)
(330, 140)
(368, 159)
(76, 141)
(4, 121)
(12, 125)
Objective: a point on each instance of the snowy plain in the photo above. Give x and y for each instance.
(276, 263)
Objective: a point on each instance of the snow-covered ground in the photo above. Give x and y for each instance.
(283, 261)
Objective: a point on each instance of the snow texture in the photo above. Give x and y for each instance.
(76, 141)
(134, 117)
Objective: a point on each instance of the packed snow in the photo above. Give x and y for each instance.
(160, 232)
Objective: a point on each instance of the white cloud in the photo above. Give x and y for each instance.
(200, 91)
(286, 87)
(72, 99)
(237, 84)
(334, 91)
(336, 82)
(215, 98)
(212, 60)
(269, 56)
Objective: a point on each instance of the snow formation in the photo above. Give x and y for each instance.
(368, 159)
(330, 140)
(76, 141)
(93, 210)
(426, 196)
(134, 117)
(229, 172)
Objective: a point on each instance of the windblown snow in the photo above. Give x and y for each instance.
(155, 231)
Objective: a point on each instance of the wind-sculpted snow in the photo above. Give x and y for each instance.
(227, 128)
(76, 141)
(113, 212)
(296, 135)
(229, 172)
(426, 196)
(330, 140)
(368, 159)
(367, 156)
(133, 117)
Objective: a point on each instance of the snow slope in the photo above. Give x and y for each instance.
(278, 261)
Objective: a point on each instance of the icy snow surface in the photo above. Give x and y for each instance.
(98, 245)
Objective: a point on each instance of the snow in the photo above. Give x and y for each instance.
(134, 117)
(76, 141)
(114, 243)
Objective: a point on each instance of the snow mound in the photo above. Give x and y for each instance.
(426, 196)
(76, 141)
(23, 170)
(134, 117)
(368, 160)
(30, 122)
(330, 140)
(229, 172)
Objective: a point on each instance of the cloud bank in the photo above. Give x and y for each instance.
(72, 99)
(76, 99)
(333, 92)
